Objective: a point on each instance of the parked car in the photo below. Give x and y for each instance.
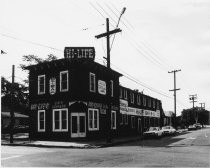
(198, 126)
(153, 132)
(192, 127)
(168, 130)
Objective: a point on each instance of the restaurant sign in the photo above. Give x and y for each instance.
(80, 53)
(101, 87)
(52, 86)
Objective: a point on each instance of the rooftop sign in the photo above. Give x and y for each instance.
(79, 53)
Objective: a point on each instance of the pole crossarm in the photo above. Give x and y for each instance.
(108, 33)
(175, 89)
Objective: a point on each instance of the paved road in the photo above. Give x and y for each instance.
(187, 150)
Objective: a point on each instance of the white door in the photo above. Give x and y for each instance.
(78, 125)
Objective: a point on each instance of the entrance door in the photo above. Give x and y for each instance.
(78, 125)
(139, 126)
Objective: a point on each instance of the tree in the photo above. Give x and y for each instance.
(18, 99)
(193, 115)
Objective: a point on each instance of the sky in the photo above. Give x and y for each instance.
(157, 36)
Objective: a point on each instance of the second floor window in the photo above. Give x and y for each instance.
(132, 97)
(64, 81)
(153, 103)
(144, 101)
(41, 84)
(121, 93)
(158, 106)
(149, 102)
(92, 83)
(138, 99)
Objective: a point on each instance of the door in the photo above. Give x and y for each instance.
(139, 126)
(78, 125)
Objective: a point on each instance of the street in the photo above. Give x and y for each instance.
(190, 149)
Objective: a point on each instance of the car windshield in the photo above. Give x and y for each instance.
(153, 129)
(167, 127)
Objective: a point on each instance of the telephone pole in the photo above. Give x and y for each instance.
(174, 90)
(108, 113)
(12, 119)
(193, 98)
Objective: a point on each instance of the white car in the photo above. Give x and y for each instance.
(155, 132)
(168, 130)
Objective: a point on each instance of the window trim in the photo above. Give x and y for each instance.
(92, 74)
(115, 123)
(93, 129)
(64, 72)
(40, 76)
(41, 130)
(60, 120)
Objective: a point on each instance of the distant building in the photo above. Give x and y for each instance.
(168, 118)
(68, 100)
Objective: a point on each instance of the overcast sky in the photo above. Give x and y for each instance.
(157, 36)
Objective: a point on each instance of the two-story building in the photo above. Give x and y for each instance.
(68, 97)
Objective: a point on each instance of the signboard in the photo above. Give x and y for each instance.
(123, 106)
(80, 53)
(102, 87)
(40, 106)
(52, 86)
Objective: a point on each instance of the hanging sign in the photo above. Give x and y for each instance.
(102, 87)
(52, 86)
(80, 53)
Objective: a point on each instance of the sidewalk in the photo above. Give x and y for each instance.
(22, 139)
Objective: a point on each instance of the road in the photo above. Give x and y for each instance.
(191, 149)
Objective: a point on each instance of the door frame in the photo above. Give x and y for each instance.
(78, 134)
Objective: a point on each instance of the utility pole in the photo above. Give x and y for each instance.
(193, 98)
(12, 119)
(108, 113)
(174, 90)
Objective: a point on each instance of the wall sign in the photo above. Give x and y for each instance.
(52, 86)
(80, 53)
(40, 106)
(102, 87)
(59, 105)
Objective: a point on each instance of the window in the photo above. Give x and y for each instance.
(126, 119)
(158, 105)
(153, 103)
(132, 122)
(122, 118)
(92, 82)
(93, 119)
(132, 97)
(64, 84)
(144, 101)
(60, 120)
(112, 88)
(113, 120)
(138, 99)
(121, 93)
(41, 84)
(149, 102)
(41, 120)
(125, 94)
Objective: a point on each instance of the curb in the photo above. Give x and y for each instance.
(75, 147)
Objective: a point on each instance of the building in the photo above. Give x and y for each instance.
(68, 100)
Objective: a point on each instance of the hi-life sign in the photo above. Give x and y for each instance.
(80, 53)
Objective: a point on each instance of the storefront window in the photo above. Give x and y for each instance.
(41, 120)
(60, 120)
(93, 119)
(132, 122)
(113, 120)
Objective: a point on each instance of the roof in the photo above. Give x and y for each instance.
(17, 115)
(67, 61)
